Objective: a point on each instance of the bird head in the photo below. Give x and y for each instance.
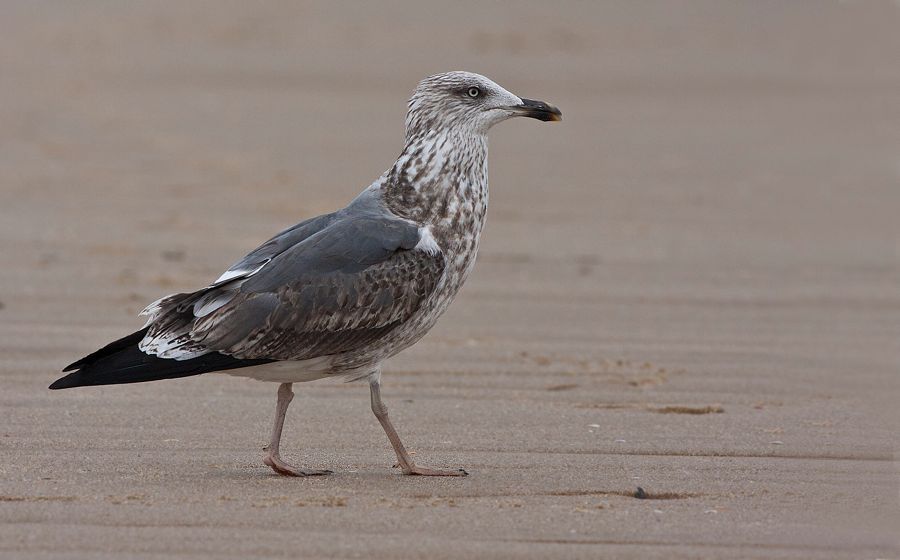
(468, 103)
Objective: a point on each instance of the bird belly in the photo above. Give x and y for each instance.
(289, 371)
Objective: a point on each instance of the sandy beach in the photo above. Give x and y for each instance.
(691, 285)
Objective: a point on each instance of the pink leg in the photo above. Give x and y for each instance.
(273, 459)
(406, 463)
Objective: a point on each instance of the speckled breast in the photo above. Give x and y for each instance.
(456, 214)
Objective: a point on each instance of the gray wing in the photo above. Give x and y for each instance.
(336, 290)
(231, 279)
(275, 246)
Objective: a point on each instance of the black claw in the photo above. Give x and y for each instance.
(640, 494)
(464, 471)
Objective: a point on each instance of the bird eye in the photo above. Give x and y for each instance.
(474, 92)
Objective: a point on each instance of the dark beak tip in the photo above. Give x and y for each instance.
(540, 110)
(549, 114)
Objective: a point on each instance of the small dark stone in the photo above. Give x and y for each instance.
(640, 494)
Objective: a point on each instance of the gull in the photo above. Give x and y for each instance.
(338, 294)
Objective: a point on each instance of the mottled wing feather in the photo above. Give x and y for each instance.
(335, 291)
(170, 318)
(323, 314)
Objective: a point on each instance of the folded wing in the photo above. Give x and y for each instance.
(346, 284)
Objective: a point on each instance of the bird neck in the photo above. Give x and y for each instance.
(439, 174)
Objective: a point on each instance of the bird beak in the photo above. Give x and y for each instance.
(537, 110)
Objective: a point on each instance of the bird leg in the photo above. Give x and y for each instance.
(403, 458)
(273, 459)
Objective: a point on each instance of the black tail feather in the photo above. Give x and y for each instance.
(111, 348)
(123, 362)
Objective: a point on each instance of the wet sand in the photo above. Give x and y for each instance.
(689, 286)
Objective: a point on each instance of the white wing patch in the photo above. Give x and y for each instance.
(214, 300)
(427, 242)
(231, 274)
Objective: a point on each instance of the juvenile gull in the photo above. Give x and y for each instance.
(338, 294)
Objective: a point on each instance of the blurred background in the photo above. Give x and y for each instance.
(713, 224)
